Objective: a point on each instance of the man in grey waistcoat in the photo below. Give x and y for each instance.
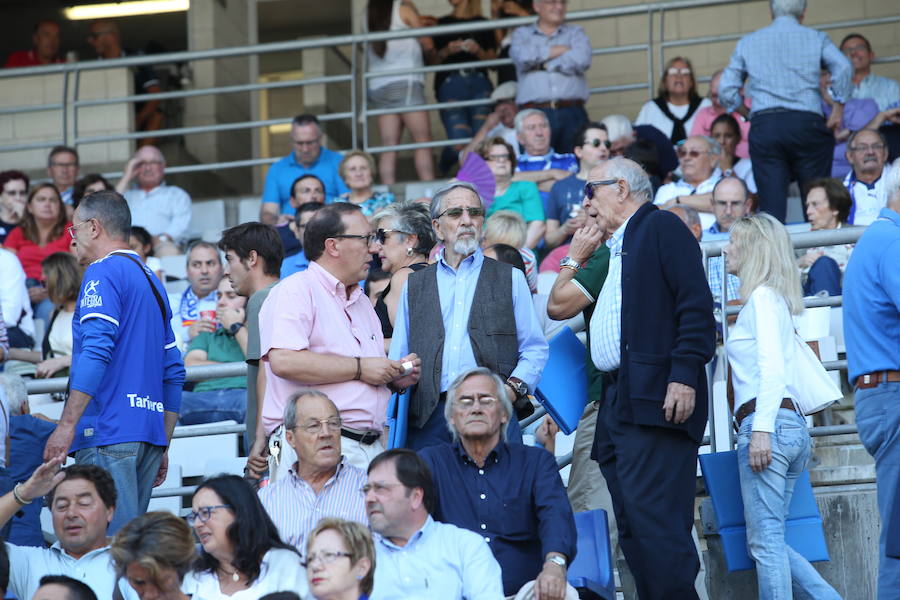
(462, 312)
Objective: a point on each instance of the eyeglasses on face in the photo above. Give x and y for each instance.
(382, 234)
(498, 157)
(678, 71)
(456, 212)
(469, 401)
(204, 513)
(314, 427)
(681, 152)
(368, 238)
(590, 185)
(326, 556)
(73, 228)
(866, 147)
(597, 142)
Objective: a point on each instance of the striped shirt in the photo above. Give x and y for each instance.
(606, 322)
(295, 508)
(780, 65)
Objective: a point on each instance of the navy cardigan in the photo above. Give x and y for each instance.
(668, 328)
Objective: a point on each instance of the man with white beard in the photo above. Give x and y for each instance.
(465, 311)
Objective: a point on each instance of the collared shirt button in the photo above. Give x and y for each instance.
(483, 526)
(481, 471)
(487, 539)
(483, 496)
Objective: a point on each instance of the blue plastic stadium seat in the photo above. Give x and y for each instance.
(397, 415)
(803, 526)
(592, 569)
(563, 389)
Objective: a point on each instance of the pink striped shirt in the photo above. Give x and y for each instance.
(310, 311)
(296, 509)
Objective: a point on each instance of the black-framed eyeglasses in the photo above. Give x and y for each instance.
(326, 556)
(382, 234)
(204, 513)
(368, 238)
(597, 142)
(457, 211)
(590, 185)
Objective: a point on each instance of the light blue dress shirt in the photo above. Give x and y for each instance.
(456, 288)
(561, 78)
(781, 64)
(439, 561)
(884, 91)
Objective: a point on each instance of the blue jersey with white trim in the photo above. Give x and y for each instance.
(117, 322)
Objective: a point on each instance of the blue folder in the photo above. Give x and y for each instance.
(803, 525)
(563, 389)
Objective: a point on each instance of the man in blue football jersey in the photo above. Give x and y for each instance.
(127, 373)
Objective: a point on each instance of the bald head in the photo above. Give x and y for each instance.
(730, 200)
(149, 167)
(689, 217)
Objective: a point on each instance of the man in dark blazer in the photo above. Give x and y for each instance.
(652, 333)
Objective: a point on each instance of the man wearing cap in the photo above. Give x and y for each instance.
(501, 122)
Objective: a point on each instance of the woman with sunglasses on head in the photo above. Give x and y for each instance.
(154, 552)
(522, 197)
(674, 108)
(773, 443)
(340, 561)
(406, 237)
(243, 556)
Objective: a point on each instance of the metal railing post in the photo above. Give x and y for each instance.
(354, 85)
(650, 51)
(75, 95)
(65, 103)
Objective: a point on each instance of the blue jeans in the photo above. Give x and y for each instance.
(564, 123)
(824, 276)
(462, 122)
(767, 496)
(133, 466)
(198, 408)
(878, 420)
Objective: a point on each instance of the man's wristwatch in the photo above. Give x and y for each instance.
(568, 262)
(521, 404)
(558, 560)
(235, 327)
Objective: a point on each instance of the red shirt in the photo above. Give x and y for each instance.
(31, 255)
(25, 58)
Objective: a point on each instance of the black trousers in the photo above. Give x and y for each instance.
(651, 473)
(785, 146)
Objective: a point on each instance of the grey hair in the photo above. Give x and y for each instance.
(691, 216)
(787, 8)
(617, 126)
(453, 394)
(444, 191)
(412, 217)
(715, 148)
(877, 132)
(524, 114)
(13, 388)
(629, 171)
(290, 409)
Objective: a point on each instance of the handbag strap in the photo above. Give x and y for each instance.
(156, 294)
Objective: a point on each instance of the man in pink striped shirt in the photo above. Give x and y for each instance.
(321, 483)
(318, 328)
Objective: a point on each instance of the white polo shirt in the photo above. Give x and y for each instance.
(682, 188)
(868, 200)
(27, 564)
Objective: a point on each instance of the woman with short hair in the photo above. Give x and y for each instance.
(357, 169)
(822, 268)
(340, 561)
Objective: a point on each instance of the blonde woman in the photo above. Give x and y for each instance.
(508, 227)
(773, 442)
(340, 561)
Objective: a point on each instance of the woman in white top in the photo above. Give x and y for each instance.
(773, 441)
(243, 556)
(395, 91)
(674, 109)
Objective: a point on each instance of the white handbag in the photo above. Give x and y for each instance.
(812, 387)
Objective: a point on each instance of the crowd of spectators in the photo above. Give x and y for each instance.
(341, 296)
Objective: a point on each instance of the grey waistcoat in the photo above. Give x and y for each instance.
(492, 331)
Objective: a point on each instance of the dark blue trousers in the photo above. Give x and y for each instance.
(651, 473)
(824, 276)
(786, 146)
(564, 122)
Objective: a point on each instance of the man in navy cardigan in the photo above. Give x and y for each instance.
(651, 335)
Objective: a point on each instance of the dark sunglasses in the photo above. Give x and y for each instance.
(590, 185)
(597, 142)
(456, 212)
(381, 234)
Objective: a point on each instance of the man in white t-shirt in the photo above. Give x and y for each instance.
(82, 501)
(867, 153)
